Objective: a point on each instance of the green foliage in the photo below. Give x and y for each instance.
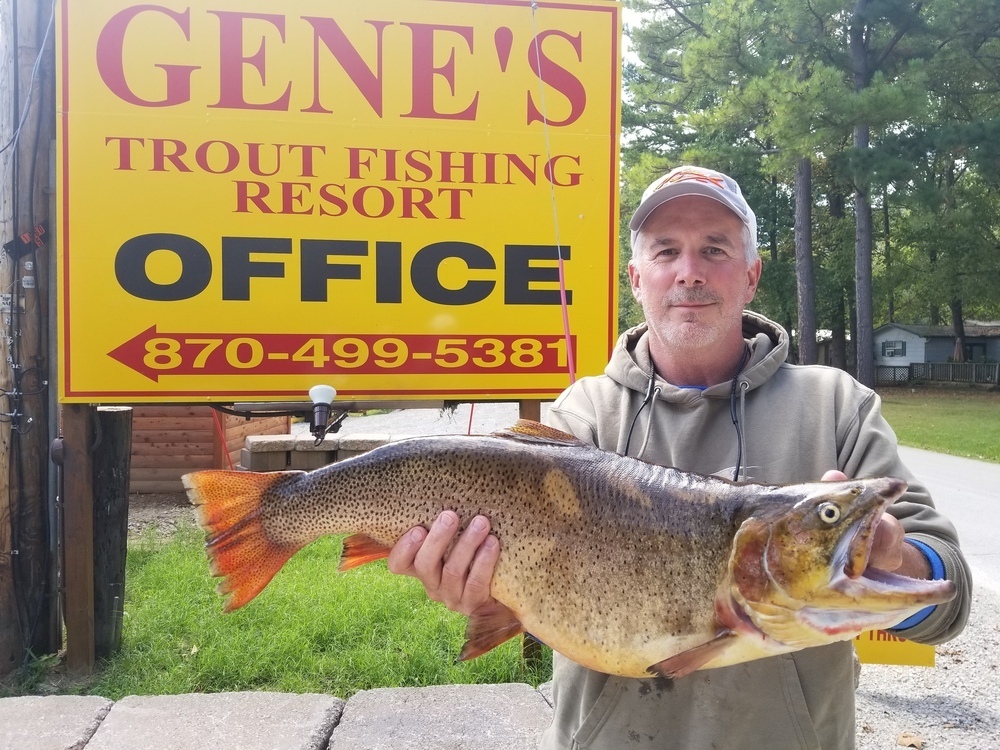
(752, 86)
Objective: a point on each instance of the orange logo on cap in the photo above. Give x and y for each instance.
(691, 174)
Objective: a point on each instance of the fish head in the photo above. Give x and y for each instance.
(799, 566)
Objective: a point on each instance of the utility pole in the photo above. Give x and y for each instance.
(28, 611)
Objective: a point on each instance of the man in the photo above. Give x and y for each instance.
(703, 385)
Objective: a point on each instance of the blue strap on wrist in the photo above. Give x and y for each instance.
(937, 574)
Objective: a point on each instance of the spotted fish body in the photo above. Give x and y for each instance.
(625, 567)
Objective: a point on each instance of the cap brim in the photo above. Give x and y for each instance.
(677, 190)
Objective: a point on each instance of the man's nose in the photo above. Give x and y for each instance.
(690, 269)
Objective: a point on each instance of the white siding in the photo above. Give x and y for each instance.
(914, 347)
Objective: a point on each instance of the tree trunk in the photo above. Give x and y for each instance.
(804, 263)
(958, 325)
(891, 291)
(864, 345)
(838, 338)
(864, 352)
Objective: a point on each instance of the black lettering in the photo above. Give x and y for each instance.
(317, 270)
(520, 274)
(426, 282)
(130, 267)
(388, 272)
(238, 269)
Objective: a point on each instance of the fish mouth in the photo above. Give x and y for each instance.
(883, 588)
(862, 535)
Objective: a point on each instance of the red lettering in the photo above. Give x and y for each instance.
(359, 201)
(124, 151)
(356, 162)
(558, 77)
(111, 54)
(232, 157)
(466, 167)
(160, 155)
(327, 195)
(424, 72)
(423, 168)
(232, 60)
(367, 82)
(290, 197)
(416, 198)
(390, 164)
(513, 160)
(550, 171)
(307, 157)
(456, 200)
(244, 198)
(253, 155)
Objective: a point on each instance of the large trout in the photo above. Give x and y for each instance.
(624, 567)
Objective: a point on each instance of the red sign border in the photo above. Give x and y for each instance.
(66, 370)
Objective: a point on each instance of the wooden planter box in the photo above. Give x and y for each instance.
(170, 441)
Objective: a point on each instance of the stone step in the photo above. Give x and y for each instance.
(484, 717)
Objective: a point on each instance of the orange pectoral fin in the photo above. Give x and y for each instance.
(693, 659)
(489, 626)
(360, 549)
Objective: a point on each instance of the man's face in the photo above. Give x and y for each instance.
(689, 272)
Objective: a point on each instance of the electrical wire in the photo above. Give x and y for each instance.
(12, 143)
(563, 303)
(30, 596)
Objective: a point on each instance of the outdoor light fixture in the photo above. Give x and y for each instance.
(322, 397)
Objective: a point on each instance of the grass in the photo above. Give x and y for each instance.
(958, 422)
(311, 630)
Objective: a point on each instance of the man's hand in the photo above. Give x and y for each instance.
(889, 550)
(459, 578)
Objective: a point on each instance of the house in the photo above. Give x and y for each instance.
(899, 345)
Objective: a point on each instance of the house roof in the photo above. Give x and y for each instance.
(977, 330)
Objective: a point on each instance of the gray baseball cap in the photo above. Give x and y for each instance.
(694, 181)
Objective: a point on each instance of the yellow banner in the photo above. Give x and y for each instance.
(880, 647)
(400, 198)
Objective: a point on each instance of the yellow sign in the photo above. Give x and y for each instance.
(880, 647)
(401, 198)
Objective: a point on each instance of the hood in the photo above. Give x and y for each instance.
(631, 366)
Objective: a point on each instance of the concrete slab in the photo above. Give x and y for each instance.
(445, 717)
(248, 721)
(55, 722)
(268, 443)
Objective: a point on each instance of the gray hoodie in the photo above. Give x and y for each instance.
(779, 424)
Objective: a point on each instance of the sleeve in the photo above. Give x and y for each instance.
(868, 448)
(574, 412)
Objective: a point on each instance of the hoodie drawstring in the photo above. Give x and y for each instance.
(744, 387)
(738, 422)
(649, 422)
(652, 391)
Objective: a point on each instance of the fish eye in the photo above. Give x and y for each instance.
(829, 513)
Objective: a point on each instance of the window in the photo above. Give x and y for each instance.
(893, 348)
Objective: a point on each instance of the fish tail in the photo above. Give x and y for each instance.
(229, 507)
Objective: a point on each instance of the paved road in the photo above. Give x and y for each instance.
(968, 492)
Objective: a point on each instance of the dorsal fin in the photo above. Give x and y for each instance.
(528, 431)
